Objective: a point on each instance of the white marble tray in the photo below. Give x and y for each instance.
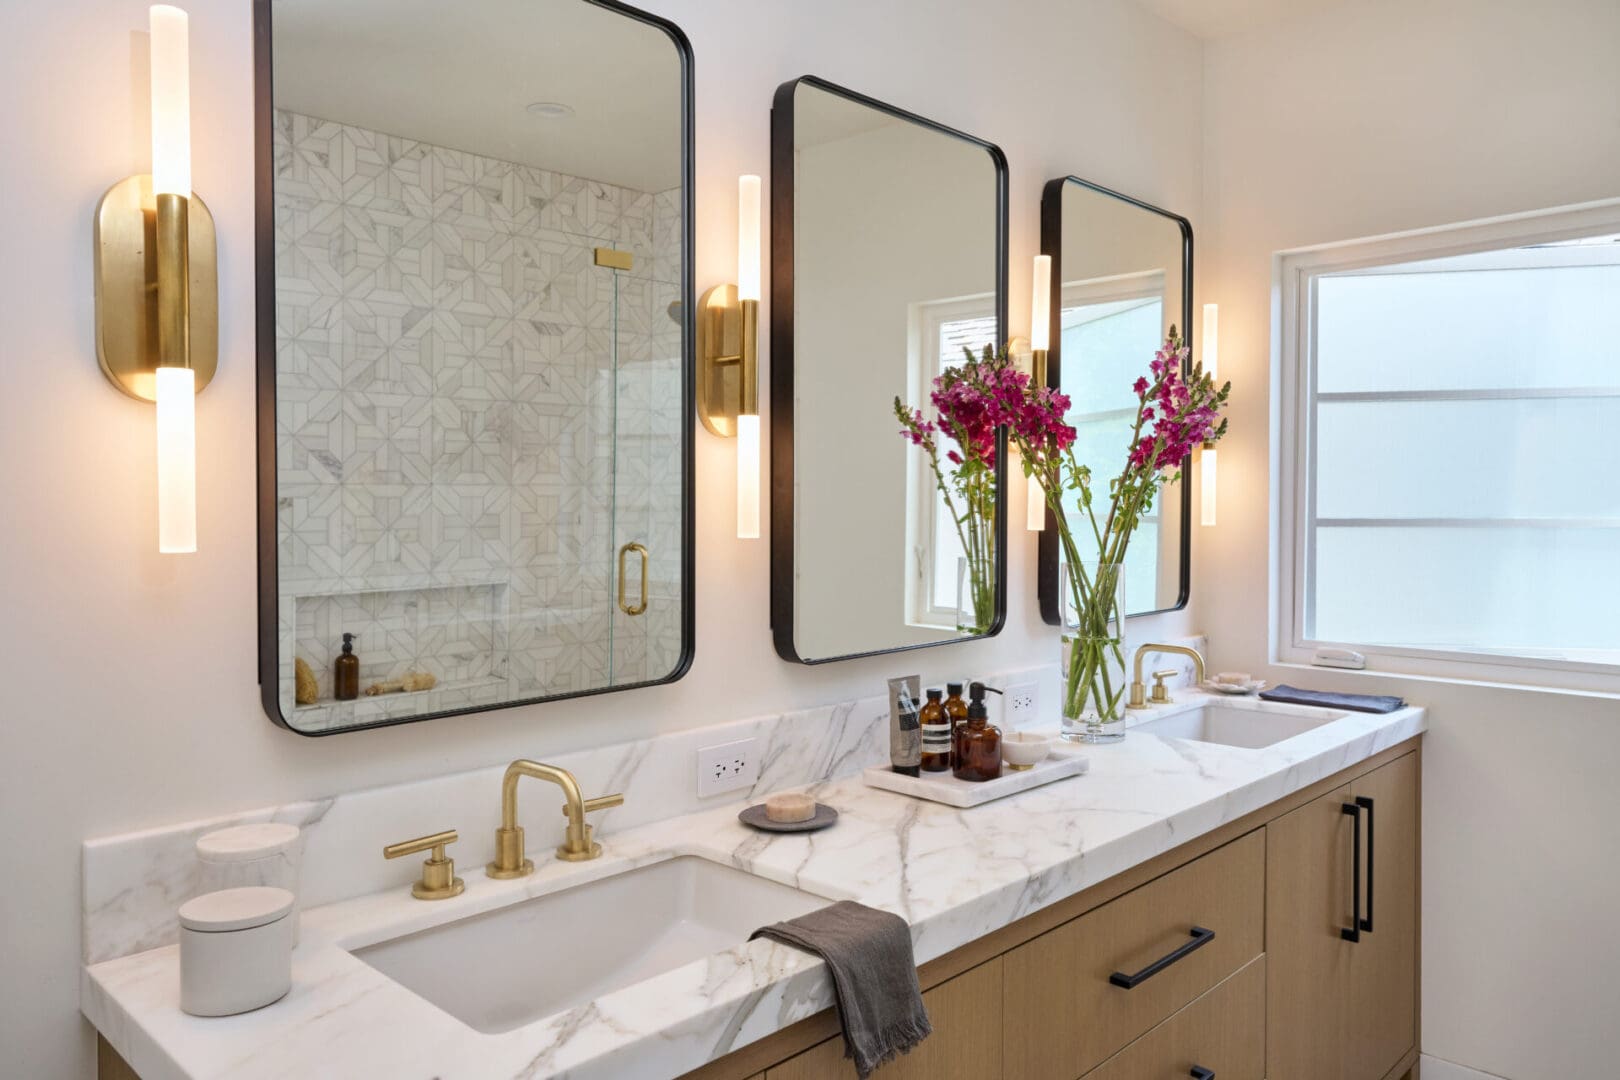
(1064, 761)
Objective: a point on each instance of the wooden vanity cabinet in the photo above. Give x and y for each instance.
(1341, 930)
(1278, 993)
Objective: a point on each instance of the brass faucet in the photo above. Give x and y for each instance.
(1160, 695)
(577, 845)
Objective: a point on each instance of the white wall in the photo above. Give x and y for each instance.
(130, 693)
(1369, 118)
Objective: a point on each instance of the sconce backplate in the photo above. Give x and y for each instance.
(728, 364)
(126, 288)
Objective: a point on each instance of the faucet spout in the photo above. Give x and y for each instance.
(1139, 691)
(510, 860)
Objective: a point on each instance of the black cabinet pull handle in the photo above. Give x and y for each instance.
(1201, 1073)
(1366, 803)
(1353, 931)
(1200, 938)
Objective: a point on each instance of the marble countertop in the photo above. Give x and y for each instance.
(955, 875)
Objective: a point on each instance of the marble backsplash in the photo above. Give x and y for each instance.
(134, 882)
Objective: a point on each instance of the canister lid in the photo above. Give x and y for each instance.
(240, 843)
(235, 909)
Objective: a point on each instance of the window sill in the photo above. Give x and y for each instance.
(1457, 680)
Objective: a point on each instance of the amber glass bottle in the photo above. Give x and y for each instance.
(955, 707)
(978, 742)
(346, 672)
(936, 735)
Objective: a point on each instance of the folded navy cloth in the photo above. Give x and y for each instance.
(874, 977)
(1355, 702)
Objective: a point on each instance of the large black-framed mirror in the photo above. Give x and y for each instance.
(1122, 275)
(475, 361)
(888, 255)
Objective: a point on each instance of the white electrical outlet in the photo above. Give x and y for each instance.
(726, 767)
(1022, 702)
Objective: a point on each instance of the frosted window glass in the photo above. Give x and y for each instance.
(1507, 329)
(1535, 458)
(1519, 590)
(1102, 356)
(1512, 495)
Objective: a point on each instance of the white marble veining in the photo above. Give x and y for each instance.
(134, 882)
(955, 875)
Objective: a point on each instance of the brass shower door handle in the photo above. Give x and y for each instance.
(639, 549)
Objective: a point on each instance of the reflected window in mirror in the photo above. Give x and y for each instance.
(1122, 277)
(474, 310)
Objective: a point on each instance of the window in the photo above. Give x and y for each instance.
(944, 329)
(1110, 330)
(1450, 466)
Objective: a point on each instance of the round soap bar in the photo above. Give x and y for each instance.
(790, 806)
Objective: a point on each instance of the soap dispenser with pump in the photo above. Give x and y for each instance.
(977, 742)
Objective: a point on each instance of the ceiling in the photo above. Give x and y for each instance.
(1219, 18)
(462, 75)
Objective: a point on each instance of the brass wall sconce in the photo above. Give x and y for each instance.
(728, 358)
(157, 292)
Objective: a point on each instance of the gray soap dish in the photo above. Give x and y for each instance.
(755, 816)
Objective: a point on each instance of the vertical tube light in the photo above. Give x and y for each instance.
(748, 289)
(1040, 341)
(171, 189)
(1208, 470)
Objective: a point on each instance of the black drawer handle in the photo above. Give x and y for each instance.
(1200, 938)
(1201, 1073)
(1353, 931)
(1366, 803)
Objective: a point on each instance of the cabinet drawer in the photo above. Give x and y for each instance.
(966, 1044)
(1065, 1015)
(1223, 1032)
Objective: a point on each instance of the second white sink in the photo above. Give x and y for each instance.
(503, 969)
(1251, 726)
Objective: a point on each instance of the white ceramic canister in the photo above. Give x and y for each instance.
(267, 853)
(235, 950)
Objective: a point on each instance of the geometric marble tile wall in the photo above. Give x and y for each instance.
(468, 407)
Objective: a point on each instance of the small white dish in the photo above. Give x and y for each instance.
(1253, 686)
(1024, 749)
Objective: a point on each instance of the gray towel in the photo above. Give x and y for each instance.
(1355, 702)
(874, 977)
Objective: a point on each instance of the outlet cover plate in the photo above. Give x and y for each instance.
(727, 767)
(1022, 706)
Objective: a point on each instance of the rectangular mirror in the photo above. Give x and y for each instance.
(889, 255)
(474, 265)
(1121, 277)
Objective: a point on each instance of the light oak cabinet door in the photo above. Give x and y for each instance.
(966, 1044)
(1065, 1011)
(1381, 1017)
(1341, 930)
(1221, 1035)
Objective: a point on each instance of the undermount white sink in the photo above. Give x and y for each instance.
(502, 969)
(1252, 726)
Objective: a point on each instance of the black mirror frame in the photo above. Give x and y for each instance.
(265, 301)
(1052, 245)
(781, 361)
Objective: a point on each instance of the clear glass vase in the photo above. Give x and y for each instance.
(975, 597)
(1092, 671)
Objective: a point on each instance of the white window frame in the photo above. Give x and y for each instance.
(926, 364)
(1293, 451)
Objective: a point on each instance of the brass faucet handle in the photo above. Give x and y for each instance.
(601, 802)
(1161, 695)
(438, 880)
